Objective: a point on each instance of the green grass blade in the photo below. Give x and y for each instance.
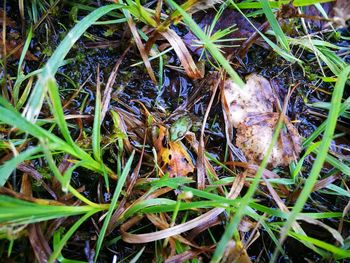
(96, 132)
(24, 51)
(53, 166)
(209, 45)
(281, 38)
(8, 167)
(322, 154)
(337, 252)
(241, 210)
(300, 163)
(13, 118)
(322, 127)
(36, 99)
(118, 189)
(279, 3)
(16, 211)
(19, 70)
(67, 236)
(337, 164)
(57, 110)
(277, 49)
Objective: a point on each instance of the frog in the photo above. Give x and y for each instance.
(180, 128)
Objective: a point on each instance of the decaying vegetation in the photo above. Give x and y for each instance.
(175, 131)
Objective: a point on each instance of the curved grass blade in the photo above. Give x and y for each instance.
(281, 37)
(277, 49)
(66, 237)
(214, 51)
(11, 117)
(36, 99)
(7, 168)
(244, 204)
(337, 252)
(121, 181)
(57, 111)
(19, 70)
(331, 123)
(16, 211)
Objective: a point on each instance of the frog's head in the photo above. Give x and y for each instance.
(179, 128)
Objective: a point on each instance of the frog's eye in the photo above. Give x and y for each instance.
(181, 134)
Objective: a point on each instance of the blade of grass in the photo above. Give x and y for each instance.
(279, 3)
(67, 236)
(281, 38)
(19, 70)
(322, 127)
(300, 163)
(274, 47)
(8, 167)
(55, 243)
(64, 182)
(16, 211)
(96, 131)
(120, 184)
(337, 252)
(57, 111)
(214, 51)
(11, 117)
(241, 210)
(136, 258)
(36, 99)
(321, 156)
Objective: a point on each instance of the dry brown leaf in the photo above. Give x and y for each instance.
(111, 79)
(142, 50)
(183, 54)
(172, 231)
(161, 223)
(173, 157)
(203, 219)
(201, 169)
